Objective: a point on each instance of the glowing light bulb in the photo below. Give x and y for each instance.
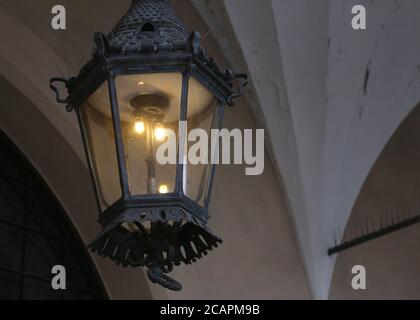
(139, 127)
(141, 83)
(163, 188)
(160, 134)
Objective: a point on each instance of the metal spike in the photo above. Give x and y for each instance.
(335, 238)
(346, 234)
(381, 220)
(362, 226)
(351, 230)
(373, 221)
(367, 225)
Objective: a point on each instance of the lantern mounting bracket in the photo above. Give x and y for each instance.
(243, 83)
(69, 107)
(228, 75)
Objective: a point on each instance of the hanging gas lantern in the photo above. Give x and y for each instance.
(145, 78)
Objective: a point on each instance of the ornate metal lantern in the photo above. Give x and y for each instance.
(144, 78)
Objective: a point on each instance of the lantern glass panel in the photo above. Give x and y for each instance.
(96, 118)
(202, 116)
(150, 108)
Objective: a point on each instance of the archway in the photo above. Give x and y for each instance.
(390, 194)
(36, 235)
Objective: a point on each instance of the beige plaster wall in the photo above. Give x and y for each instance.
(259, 257)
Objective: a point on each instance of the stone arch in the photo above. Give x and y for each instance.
(37, 236)
(66, 175)
(390, 193)
(50, 140)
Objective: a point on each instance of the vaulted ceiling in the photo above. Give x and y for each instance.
(329, 97)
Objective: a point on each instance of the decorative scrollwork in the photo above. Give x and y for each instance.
(66, 101)
(243, 83)
(165, 245)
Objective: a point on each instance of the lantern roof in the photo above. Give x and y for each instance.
(149, 25)
(149, 29)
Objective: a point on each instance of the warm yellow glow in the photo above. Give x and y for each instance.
(141, 83)
(139, 127)
(163, 188)
(160, 134)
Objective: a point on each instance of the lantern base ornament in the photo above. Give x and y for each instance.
(157, 239)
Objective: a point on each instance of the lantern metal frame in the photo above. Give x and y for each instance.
(187, 58)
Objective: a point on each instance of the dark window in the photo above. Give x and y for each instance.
(35, 235)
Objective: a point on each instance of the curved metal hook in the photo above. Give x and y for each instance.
(156, 275)
(69, 108)
(244, 81)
